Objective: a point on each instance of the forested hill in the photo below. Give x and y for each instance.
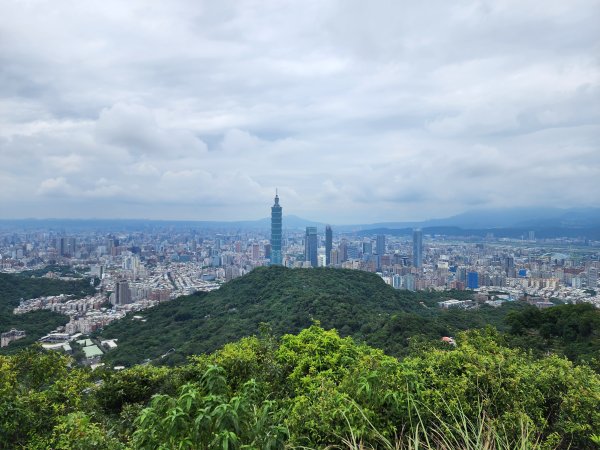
(26, 285)
(356, 303)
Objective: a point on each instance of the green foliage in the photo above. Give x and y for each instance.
(315, 389)
(135, 385)
(62, 271)
(76, 431)
(358, 304)
(570, 330)
(37, 388)
(206, 415)
(513, 388)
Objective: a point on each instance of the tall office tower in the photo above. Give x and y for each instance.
(380, 249)
(509, 265)
(255, 252)
(122, 293)
(267, 251)
(66, 246)
(328, 244)
(367, 248)
(472, 280)
(592, 281)
(62, 245)
(335, 257)
(380, 244)
(310, 246)
(343, 249)
(417, 247)
(276, 232)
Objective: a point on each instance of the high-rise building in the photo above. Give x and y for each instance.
(472, 280)
(310, 246)
(367, 248)
(66, 246)
(335, 257)
(111, 245)
(408, 282)
(328, 244)
(380, 245)
(276, 233)
(122, 293)
(380, 249)
(592, 281)
(417, 247)
(343, 251)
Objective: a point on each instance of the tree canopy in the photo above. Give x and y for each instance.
(312, 389)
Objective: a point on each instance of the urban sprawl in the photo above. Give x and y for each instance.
(135, 270)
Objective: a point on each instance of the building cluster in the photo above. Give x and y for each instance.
(10, 336)
(138, 267)
(553, 269)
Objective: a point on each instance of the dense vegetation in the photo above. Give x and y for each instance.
(571, 330)
(310, 390)
(358, 304)
(26, 285)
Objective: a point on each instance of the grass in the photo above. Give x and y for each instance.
(455, 432)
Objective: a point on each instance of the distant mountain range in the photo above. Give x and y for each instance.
(478, 221)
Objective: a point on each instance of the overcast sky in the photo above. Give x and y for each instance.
(357, 111)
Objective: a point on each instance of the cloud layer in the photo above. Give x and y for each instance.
(357, 111)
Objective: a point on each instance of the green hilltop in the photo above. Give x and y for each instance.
(358, 304)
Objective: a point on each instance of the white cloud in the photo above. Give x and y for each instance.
(355, 111)
(55, 187)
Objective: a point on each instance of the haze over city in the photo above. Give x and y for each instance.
(357, 112)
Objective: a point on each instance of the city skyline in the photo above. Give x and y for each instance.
(188, 111)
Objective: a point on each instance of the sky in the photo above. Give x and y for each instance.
(356, 111)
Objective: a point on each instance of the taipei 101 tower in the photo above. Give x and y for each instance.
(276, 232)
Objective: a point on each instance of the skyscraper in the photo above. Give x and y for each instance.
(472, 280)
(417, 247)
(276, 232)
(122, 293)
(66, 246)
(310, 246)
(380, 249)
(343, 249)
(328, 244)
(592, 281)
(380, 245)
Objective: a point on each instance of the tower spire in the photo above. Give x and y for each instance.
(276, 258)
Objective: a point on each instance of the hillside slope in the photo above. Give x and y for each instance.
(358, 304)
(14, 287)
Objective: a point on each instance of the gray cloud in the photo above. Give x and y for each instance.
(356, 111)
